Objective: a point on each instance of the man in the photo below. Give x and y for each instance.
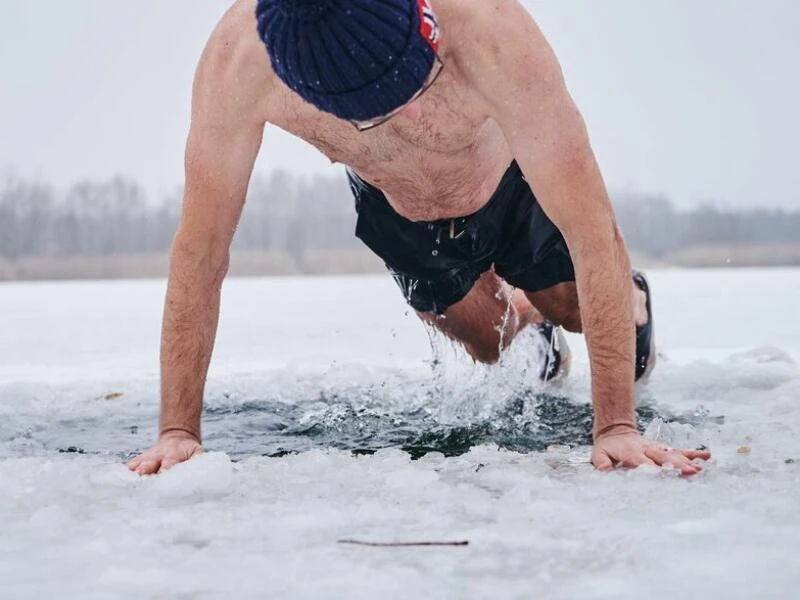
(448, 114)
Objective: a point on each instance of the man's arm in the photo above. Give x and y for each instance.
(223, 143)
(519, 76)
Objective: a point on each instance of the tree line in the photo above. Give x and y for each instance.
(294, 215)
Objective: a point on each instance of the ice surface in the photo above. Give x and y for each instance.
(309, 363)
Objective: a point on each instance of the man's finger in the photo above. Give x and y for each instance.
(168, 463)
(675, 458)
(148, 466)
(633, 463)
(687, 467)
(696, 454)
(689, 454)
(602, 461)
(663, 456)
(688, 471)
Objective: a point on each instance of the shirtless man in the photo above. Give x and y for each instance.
(427, 102)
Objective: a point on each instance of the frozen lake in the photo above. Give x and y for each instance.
(327, 419)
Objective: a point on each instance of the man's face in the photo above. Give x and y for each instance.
(410, 109)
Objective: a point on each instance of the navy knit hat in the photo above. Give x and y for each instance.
(356, 59)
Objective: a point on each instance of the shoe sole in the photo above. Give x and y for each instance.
(646, 330)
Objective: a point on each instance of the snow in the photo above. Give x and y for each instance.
(328, 364)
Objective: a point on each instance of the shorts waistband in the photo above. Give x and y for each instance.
(512, 175)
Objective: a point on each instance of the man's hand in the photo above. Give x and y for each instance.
(172, 448)
(631, 450)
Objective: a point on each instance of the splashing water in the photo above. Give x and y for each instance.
(454, 407)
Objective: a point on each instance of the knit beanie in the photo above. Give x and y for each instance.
(355, 59)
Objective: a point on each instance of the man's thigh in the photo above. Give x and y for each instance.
(485, 320)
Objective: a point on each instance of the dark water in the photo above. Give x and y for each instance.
(358, 418)
(528, 423)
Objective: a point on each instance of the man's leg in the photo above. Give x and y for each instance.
(487, 319)
(559, 304)
(492, 313)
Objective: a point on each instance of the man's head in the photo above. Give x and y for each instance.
(360, 60)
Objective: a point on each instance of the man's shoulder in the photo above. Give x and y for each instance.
(471, 29)
(234, 44)
(471, 15)
(494, 36)
(234, 63)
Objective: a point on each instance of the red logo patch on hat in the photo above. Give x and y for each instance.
(429, 24)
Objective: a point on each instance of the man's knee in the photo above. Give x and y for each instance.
(559, 305)
(484, 353)
(568, 319)
(487, 346)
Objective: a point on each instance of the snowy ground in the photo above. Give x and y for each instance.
(308, 370)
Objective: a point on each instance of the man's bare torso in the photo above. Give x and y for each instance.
(443, 165)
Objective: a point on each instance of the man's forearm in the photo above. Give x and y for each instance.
(605, 296)
(191, 314)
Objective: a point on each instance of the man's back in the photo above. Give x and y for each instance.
(443, 164)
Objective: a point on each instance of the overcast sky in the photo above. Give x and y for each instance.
(696, 100)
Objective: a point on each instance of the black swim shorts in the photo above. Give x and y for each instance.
(436, 263)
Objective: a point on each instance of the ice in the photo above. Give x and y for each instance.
(233, 523)
(208, 477)
(763, 355)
